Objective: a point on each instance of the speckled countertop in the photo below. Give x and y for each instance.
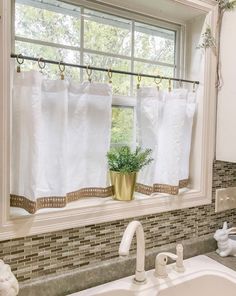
(229, 262)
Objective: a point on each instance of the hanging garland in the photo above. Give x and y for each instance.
(226, 5)
(209, 41)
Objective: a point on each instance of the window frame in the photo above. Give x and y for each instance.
(179, 43)
(106, 210)
(179, 46)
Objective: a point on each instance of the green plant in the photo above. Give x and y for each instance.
(208, 41)
(124, 160)
(227, 4)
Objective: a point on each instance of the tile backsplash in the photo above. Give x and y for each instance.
(56, 252)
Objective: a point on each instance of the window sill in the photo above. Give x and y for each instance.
(96, 210)
(90, 202)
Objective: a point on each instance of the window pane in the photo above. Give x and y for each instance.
(48, 25)
(154, 43)
(120, 83)
(107, 33)
(122, 126)
(152, 69)
(51, 53)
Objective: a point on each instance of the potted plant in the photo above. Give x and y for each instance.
(124, 164)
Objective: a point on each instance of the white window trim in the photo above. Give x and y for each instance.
(106, 210)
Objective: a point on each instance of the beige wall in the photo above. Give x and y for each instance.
(226, 123)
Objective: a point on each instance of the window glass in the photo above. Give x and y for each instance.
(149, 68)
(107, 33)
(120, 83)
(122, 132)
(52, 29)
(51, 53)
(154, 43)
(48, 25)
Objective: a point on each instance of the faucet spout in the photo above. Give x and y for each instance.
(132, 228)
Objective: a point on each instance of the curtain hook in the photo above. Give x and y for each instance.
(41, 64)
(139, 78)
(20, 62)
(158, 82)
(89, 73)
(62, 68)
(169, 88)
(194, 87)
(109, 73)
(180, 83)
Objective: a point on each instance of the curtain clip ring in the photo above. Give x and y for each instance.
(109, 73)
(170, 87)
(20, 61)
(194, 87)
(89, 73)
(41, 64)
(62, 68)
(139, 78)
(180, 83)
(158, 82)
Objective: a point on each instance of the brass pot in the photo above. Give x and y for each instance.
(123, 185)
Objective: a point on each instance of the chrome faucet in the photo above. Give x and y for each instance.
(162, 258)
(132, 228)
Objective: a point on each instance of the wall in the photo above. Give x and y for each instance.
(60, 251)
(226, 145)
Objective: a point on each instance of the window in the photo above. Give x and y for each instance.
(59, 31)
(123, 123)
(94, 210)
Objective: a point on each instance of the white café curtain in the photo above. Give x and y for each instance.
(165, 121)
(60, 137)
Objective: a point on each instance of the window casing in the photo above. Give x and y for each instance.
(98, 211)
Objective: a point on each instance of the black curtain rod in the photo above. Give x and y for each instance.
(22, 57)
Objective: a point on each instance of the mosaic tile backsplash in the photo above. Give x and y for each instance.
(60, 251)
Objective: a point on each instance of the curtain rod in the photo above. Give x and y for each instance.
(22, 57)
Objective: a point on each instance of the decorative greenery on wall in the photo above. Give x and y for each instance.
(225, 5)
(209, 41)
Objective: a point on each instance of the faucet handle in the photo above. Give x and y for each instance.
(179, 267)
(160, 265)
(161, 262)
(162, 258)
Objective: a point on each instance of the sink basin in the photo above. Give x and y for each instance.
(117, 293)
(203, 276)
(202, 285)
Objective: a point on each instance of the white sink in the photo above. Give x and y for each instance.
(203, 276)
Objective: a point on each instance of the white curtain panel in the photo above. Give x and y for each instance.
(89, 123)
(60, 137)
(26, 134)
(149, 105)
(169, 121)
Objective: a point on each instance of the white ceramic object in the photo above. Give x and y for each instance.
(226, 245)
(132, 228)
(202, 276)
(8, 283)
(162, 259)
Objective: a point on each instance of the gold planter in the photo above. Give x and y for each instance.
(123, 185)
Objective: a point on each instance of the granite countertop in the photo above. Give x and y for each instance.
(229, 262)
(97, 274)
